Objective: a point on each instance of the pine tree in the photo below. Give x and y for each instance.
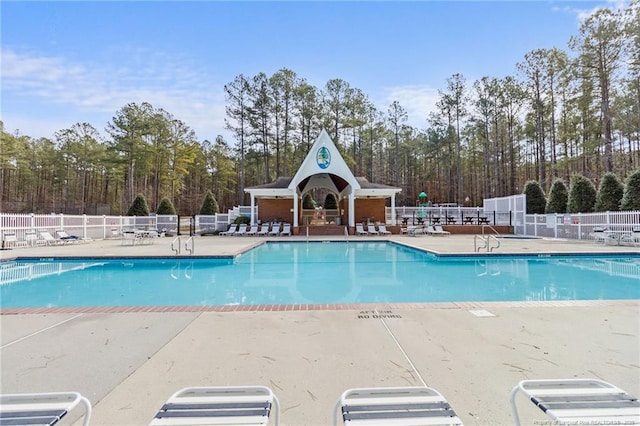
(609, 194)
(139, 207)
(558, 197)
(582, 195)
(631, 197)
(209, 204)
(307, 202)
(535, 197)
(330, 202)
(165, 207)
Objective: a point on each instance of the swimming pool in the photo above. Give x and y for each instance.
(286, 273)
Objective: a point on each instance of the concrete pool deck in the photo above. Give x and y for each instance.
(128, 364)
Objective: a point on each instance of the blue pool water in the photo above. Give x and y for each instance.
(313, 273)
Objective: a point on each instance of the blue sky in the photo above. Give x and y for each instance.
(72, 61)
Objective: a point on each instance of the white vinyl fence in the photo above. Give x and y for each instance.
(579, 226)
(82, 226)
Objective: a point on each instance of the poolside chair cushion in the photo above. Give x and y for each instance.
(40, 408)
(395, 406)
(247, 405)
(586, 401)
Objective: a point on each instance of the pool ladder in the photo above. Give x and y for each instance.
(189, 245)
(486, 240)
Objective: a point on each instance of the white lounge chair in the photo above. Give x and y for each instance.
(394, 406)
(242, 230)
(275, 230)
(253, 230)
(10, 240)
(286, 229)
(49, 239)
(439, 231)
(232, 229)
(32, 239)
(66, 238)
(371, 230)
(599, 235)
(238, 405)
(264, 229)
(414, 231)
(633, 238)
(360, 230)
(382, 229)
(579, 401)
(40, 408)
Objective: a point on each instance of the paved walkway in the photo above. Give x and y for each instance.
(128, 364)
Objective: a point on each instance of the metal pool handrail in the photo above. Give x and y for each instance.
(173, 245)
(193, 246)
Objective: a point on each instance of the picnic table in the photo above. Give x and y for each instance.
(483, 220)
(451, 220)
(468, 220)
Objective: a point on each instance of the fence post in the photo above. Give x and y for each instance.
(535, 224)
(84, 226)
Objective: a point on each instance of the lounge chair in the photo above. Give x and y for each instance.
(40, 408)
(360, 230)
(66, 238)
(439, 231)
(232, 229)
(32, 239)
(371, 230)
(579, 401)
(599, 235)
(11, 240)
(382, 229)
(286, 229)
(49, 239)
(633, 238)
(275, 230)
(394, 406)
(414, 231)
(253, 230)
(246, 405)
(242, 230)
(264, 229)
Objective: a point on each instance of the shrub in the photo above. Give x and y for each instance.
(609, 194)
(307, 202)
(330, 202)
(558, 197)
(535, 197)
(165, 207)
(139, 207)
(242, 219)
(582, 195)
(631, 197)
(209, 204)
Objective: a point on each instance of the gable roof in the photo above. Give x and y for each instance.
(324, 157)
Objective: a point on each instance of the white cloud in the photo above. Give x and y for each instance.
(417, 100)
(57, 87)
(583, 14)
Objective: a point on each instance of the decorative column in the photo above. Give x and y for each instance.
(253, 207)
(295, 209)
(352, 213)
(393, 210)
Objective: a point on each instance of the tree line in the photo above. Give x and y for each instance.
(563, 112)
